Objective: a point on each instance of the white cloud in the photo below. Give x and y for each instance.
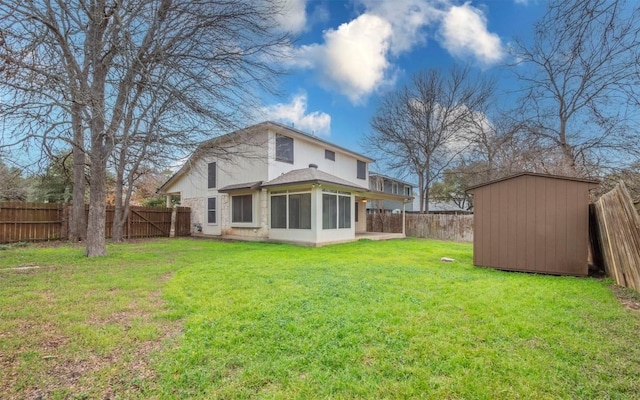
(464, 33)
(295, 112)
(407, 19)
(294, 16)
(356, 59)
(521, 2)
(353, 58)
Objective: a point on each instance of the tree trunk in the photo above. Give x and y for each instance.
(78, 228)
(426, 199)
(421, 191)
(118, 219)
(96, 243)
(567, 149)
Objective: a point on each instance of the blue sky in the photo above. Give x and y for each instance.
(352, 52)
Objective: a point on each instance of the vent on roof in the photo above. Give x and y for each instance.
(313, 166)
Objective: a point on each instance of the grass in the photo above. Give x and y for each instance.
(203, 319)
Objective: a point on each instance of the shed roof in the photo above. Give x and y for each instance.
(566, 178)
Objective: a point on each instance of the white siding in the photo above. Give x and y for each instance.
(248, 163)
(306, 151)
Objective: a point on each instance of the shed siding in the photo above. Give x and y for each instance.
(532, 223)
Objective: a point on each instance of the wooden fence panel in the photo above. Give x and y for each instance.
(618, 226)
(149, 222)
(22, 222)
(457, 228)
(183, 221)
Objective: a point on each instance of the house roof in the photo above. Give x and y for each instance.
(278, 126)
(241, 186)
(566, 178)
(310, 175)
(391, 178)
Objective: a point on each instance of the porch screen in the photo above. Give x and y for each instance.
(336, 210)
(300, 211)
(279, 212)
(297, 207)
(329, 211)
(344, 212)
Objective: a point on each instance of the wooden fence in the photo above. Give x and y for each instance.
(457, 228)
(618, 229)
(27, 222)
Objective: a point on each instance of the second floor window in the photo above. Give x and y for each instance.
(211, 176)
(362, 170)
(330, 155)
(284, 148)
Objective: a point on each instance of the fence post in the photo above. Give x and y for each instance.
(64, 224)
(174, 216)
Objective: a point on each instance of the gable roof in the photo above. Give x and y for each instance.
(566, 178)
(310, 175)
(278, 127)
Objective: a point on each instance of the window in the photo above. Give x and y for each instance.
(362, 170)
(407, 191)
(211, 176)
(394, 188)
(330, 155)
(284, 148)
(336, 210)
(329, 211)
(279, 212)
(211, 210)
(300, 211)
(242, 208)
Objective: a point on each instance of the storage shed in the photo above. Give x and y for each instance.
(534, 223)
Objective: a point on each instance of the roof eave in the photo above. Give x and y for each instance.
(312, 182)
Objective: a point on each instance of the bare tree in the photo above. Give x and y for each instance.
(12, 184)
(82, 73)
(582, 82)
(423, 128)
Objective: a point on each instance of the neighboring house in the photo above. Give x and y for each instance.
(386, 184)
(276, 183)
(441, 207)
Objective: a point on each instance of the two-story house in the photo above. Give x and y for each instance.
(272, 182)
(382, 183)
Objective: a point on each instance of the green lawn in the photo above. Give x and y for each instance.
(205, 319)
